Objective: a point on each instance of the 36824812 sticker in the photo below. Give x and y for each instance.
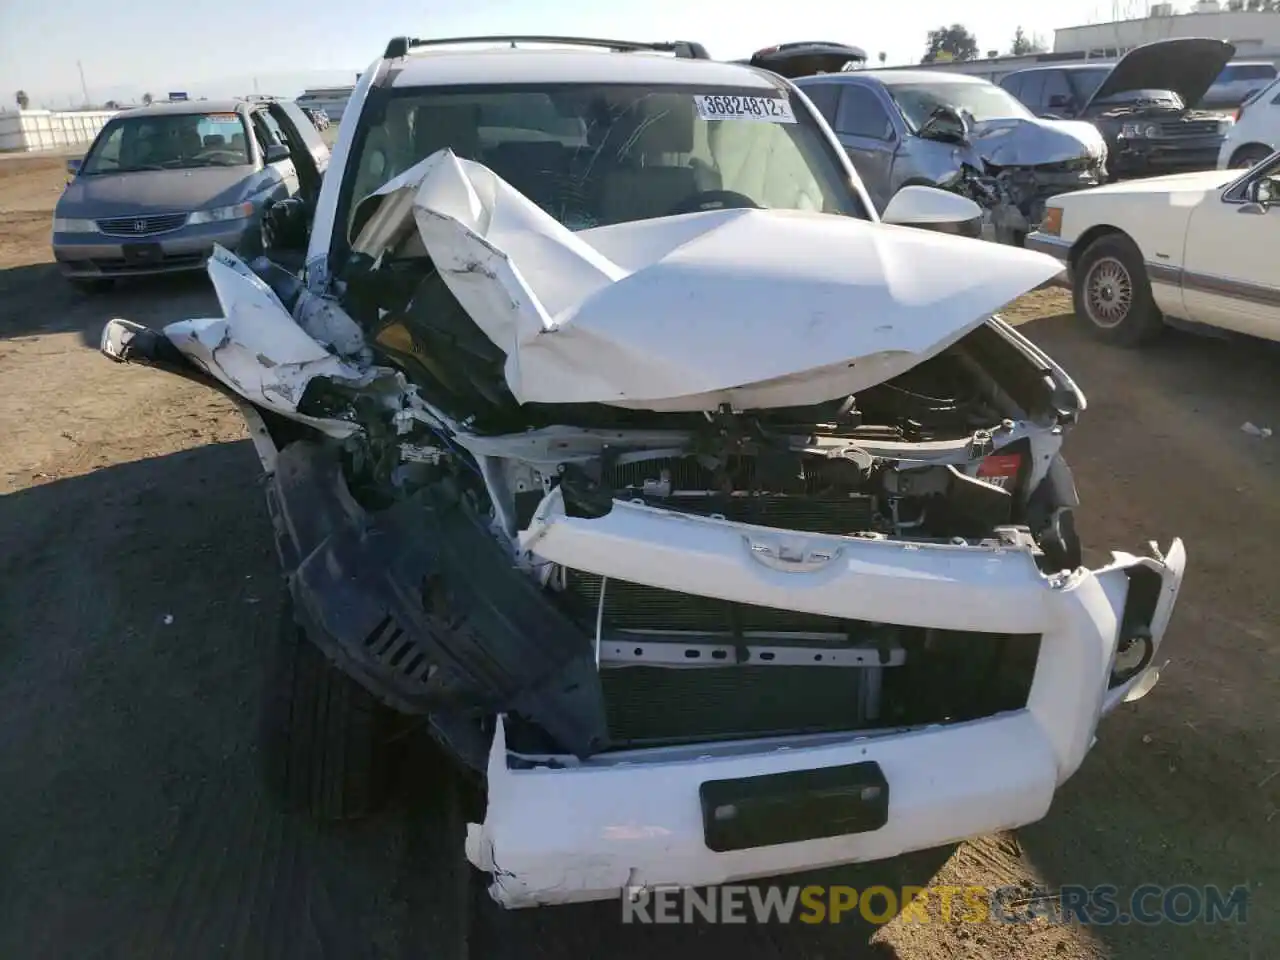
(724, 106)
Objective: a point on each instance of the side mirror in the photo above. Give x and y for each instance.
(945, 123)
(929, 207)
(276, 152)
(74, 164)
(1264, 191)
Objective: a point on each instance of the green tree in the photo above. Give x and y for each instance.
(22, 100)
(147, 99)
(950, 43)
(1023, 45)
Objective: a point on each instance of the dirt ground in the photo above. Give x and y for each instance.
(138, 589)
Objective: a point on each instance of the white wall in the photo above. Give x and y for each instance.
(26, 130)
(1250, 32)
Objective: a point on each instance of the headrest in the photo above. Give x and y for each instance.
(214, 140)
(454, 126)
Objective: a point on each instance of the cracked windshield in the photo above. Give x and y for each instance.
(591, 156)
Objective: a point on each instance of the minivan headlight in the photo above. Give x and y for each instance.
(73, 225)
(238, 211)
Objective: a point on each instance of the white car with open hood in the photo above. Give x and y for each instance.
(711, 522)
(1197, 247)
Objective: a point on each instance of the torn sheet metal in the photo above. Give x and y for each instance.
(257, 348)
(1031, 142)
(752, 308)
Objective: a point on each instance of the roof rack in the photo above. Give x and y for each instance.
(683, 49)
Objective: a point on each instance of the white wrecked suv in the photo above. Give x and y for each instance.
(714, 523)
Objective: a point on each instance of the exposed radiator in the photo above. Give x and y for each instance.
(654, 705)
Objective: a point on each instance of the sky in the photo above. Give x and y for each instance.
(219, 48)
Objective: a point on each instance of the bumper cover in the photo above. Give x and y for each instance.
(180, 251)
(1151, 157)
(1055, 247)
(586, 830)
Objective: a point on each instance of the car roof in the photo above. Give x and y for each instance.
(893, 78)
(184, 106)
(506, 65)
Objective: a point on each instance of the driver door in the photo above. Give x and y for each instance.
(268, 132)
(307, 150)
(865, 131)
(1231, 277)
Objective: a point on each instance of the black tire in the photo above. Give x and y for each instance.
(1249, 156)
(1112, 294)
(90, 285)
(328, 747)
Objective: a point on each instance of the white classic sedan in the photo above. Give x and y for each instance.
(1201, 247)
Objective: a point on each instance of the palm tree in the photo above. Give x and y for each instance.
(22, 99)
(147, 99)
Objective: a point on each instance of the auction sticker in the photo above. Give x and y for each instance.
(717, 106)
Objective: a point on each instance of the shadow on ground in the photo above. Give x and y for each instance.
(35, 299)
(138, 603)
(1177, 790)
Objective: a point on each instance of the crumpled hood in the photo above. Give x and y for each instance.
(1187, 66)
(1018, 142)
(753, 308)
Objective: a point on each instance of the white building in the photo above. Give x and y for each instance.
(332, 100)
(1256, 35)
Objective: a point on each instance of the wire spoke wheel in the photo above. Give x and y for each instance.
(1108, 292)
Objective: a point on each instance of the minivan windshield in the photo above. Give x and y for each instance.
(592, 155)
(980, 101)
(168, 141)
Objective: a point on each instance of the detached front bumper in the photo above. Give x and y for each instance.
(559, 833)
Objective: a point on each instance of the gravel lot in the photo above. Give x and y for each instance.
(138, 591)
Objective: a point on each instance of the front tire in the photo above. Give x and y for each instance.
(1249, 156)
(328, 746)
(1112, 293)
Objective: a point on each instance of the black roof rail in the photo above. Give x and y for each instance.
(683, 49)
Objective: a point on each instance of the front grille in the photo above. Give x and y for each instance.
(1189, 128)
(142, 226)
(939, 677)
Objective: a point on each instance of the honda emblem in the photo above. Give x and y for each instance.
(139, 226)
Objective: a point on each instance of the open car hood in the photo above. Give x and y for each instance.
(750, 308)
(806, 58)
(1187, 66)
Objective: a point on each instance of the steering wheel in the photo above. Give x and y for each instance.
(713, 200)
